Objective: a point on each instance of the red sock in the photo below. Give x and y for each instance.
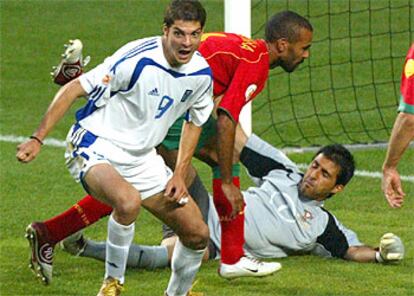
(82, 214)
(232, 232)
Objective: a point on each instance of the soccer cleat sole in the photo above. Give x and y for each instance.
(33, 265)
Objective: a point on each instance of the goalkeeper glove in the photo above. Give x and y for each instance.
(72, 63)
(391, 249)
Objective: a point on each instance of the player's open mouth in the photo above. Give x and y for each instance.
(184, 53)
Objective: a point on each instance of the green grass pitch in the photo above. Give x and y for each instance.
(32, 35)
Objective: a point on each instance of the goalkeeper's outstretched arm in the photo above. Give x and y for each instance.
(391, 249)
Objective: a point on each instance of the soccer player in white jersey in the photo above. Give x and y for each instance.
(284, 212)
(134, 96)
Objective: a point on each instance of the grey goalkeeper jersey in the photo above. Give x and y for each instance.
(278, 220)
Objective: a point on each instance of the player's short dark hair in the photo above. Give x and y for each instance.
(185, 10)
(286, 24)
(343, 158)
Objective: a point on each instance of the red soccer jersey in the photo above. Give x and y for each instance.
(407, 83)
(240, 68)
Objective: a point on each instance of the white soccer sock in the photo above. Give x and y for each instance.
(184, 266)
(117, 246)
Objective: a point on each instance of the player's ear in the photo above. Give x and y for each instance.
(165, 29)
(282, 45)
(337, 188)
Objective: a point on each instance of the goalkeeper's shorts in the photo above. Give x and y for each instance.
(172, 140)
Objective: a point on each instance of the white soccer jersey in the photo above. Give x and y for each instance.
(135, 95)
(278, 221)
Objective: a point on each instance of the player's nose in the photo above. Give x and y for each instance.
(187, 40)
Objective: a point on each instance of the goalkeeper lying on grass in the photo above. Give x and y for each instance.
(284, 213)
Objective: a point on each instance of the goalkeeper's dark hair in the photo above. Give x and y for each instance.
(286, 24)
(185, 10)
(343, 158)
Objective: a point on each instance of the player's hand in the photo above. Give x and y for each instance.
(28, 150)
(235, 198)
(391, 248)
(391, 186)
(176, 191)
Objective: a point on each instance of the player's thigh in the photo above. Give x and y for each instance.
(186, 221)
(105, 183)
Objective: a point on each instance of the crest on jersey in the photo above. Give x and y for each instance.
(409, 68)
(250, 91)
(307, 216)
(186, 94)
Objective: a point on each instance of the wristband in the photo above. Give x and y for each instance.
(37, 139)
(378, 257)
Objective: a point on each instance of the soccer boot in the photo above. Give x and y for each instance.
(74, 244)
(110, 287)
(42, 251)
(248, 267)
(71, 65)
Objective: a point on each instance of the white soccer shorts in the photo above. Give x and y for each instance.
(147, 172)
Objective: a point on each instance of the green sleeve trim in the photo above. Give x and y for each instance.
(404, 107)
(235, 170)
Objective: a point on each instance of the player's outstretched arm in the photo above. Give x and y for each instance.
(402, 134)
(391, 249)
(64, 98)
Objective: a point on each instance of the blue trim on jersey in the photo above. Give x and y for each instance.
(90, 106)
(87, 110)
(149, 62)
(98, 95)
(141, 45)
(205, 71)
(148, 45)
(94, 90)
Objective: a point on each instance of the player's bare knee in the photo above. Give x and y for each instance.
(197, 238)
(128, 206)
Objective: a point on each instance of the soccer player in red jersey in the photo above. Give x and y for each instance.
(402, 134)
(240, 68)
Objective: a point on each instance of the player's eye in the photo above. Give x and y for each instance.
(178, 34)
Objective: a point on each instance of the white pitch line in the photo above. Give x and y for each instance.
(58, 143)
(18, 139)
